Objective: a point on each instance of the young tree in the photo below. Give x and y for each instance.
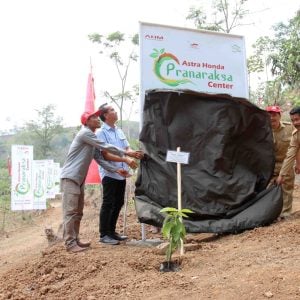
(225, 15)
(113, 46)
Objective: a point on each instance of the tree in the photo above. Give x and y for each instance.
(279, 57)
(43, 130)
(225, 15)
(174, 229)
(257, 62)
(267, 91)
(113, 46)
(285, 58)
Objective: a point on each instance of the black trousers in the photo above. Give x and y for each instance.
(113, 200)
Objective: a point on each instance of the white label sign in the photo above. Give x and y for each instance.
(178, 157)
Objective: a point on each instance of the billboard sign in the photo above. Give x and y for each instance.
(202, 61)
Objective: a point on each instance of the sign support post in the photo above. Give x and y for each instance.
(179, 158)
(179, 197)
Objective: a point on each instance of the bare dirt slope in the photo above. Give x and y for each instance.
(258, 264)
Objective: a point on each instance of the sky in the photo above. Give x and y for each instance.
(45, 52)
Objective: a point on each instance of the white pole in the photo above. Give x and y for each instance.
(179, 196)
(179, 182)
(143, 232)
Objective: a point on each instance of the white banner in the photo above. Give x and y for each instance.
(202, 61)
(21, 187)
(39, 182)
(50, 179)
(57, 171)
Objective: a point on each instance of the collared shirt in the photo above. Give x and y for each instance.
(282, 137)
(289, 160)
(116, 137)
(83, 149)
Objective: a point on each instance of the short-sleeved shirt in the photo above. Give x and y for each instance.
(282, 137)
(83, 149)
(289, 160)
(114, 136)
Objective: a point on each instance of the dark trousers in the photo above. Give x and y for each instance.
(113, 200)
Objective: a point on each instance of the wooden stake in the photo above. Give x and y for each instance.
(179, 196)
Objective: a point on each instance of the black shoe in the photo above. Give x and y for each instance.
(118, 237)
(108, 240)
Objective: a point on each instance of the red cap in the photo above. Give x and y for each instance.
(273, 108)
(86, 115)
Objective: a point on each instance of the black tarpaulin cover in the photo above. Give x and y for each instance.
(231, 161)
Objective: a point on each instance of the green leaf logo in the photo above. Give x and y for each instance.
(160, 56)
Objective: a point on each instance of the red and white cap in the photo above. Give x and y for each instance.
(273, 108)
(86, 115)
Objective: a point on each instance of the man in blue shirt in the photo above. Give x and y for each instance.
(113, 184)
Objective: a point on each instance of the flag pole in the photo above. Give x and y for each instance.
(91, 65)
(93, 172)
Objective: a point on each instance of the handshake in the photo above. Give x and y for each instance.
(129, 160)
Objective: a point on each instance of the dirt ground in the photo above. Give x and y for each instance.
(256, 264)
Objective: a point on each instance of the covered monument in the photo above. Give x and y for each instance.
(231, 161)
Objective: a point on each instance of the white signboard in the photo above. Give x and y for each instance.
(39, 182)
(178, 157)
(57, 171)
(50, 179)
(21, 187)
(203, 61)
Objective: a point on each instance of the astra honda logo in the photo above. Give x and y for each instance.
(154, 37)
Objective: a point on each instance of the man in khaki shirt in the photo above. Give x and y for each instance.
(282, 133)
(291, 156)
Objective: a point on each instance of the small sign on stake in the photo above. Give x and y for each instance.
(179, 158)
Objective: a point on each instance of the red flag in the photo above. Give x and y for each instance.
(93, 176)
(90, 94)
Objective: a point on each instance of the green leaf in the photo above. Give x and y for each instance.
(183, 215)
(169, 209)
(166, 229)
(186, 210)
(154, 55)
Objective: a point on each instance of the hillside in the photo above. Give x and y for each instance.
(256, 264)
(61, 142)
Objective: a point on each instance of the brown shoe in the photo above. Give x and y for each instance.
(83, 244)
(76, 249)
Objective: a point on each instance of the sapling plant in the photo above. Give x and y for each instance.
(173, 229)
